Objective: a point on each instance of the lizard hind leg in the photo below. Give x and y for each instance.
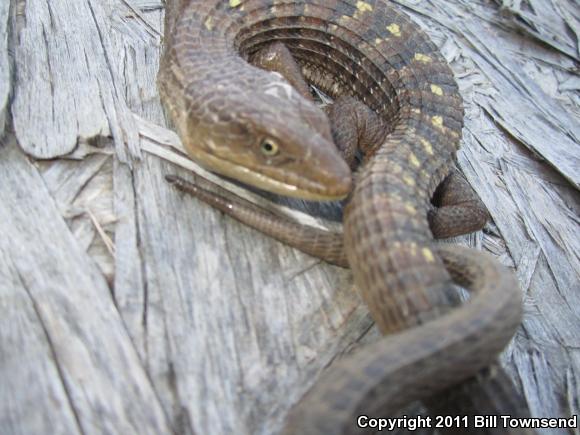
(458, 210)
(323, 244)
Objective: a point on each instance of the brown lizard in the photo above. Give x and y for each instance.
(253, 126)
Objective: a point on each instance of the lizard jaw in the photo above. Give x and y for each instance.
(337, 188)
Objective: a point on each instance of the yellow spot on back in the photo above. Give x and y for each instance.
(427, 145)
(235, 3)
(363, 6)
(437, 90)
(410, 208)
(409, 181)
(414, 160)
(422, 57)
(394, 29)
(428, 255)
(437, 121)
(378, 41)
(345, 19)
(208, 23)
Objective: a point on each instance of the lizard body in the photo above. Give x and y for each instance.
(226, 110)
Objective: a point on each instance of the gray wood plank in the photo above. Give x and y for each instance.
(64, 57)
(555, 23)
(5, 85)
(70, 341)
(208, 326)
(32, 387)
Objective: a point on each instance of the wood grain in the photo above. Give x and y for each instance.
(128, 308)
(63, 343)
(4, 65)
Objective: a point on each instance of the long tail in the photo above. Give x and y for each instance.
(383, 377)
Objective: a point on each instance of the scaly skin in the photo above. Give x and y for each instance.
(383, 377)
(223, 109)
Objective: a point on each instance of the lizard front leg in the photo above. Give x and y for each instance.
(456, 207)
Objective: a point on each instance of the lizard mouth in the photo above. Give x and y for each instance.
(335, 188)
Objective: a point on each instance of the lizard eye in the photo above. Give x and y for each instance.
(269, 147)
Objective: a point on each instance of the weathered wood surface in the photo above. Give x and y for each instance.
(127, 308)
(4, 64)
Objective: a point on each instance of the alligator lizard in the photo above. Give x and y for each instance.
(251, 125)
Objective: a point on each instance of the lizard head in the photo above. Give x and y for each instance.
(270, 137)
